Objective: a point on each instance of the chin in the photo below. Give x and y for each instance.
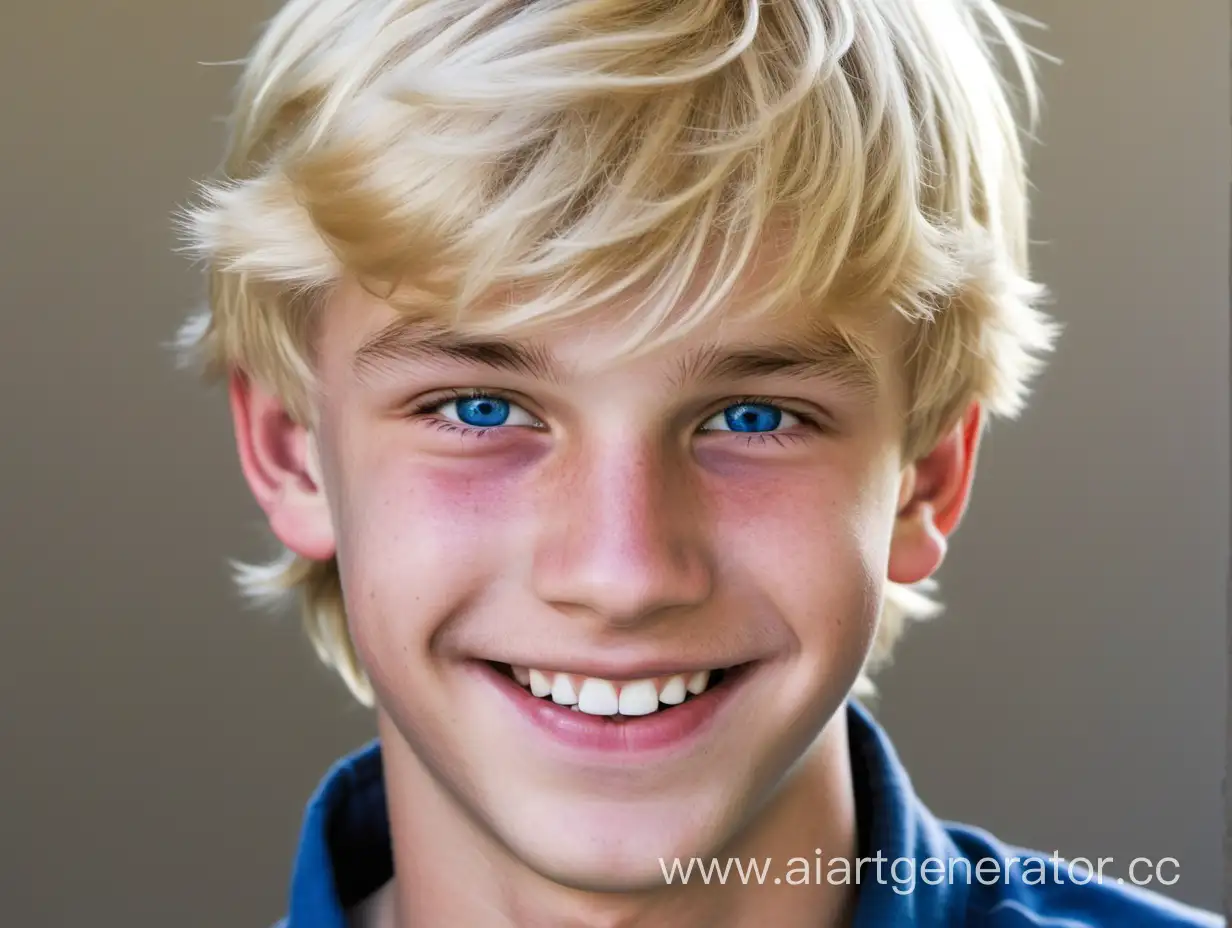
(607, 846)
(635, 862)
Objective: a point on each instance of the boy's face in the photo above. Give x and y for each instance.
(514, 511)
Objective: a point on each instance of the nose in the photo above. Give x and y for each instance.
(622, 540)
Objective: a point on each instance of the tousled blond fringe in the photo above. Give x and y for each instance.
(441, 151)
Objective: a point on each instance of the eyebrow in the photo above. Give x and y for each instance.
(829, 358)
(404, 341)
(411, 340)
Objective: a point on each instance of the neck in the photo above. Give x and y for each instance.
(452, 872)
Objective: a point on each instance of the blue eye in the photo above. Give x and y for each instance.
(484, 411)
(750, 418)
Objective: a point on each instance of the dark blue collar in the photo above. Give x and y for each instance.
(345, 856)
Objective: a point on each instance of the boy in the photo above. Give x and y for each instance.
(612, 373)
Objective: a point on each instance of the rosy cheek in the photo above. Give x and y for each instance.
(806, 536)
(410, 516)
(765, 494)
(795, 519)
(441, 482)
(468, 502)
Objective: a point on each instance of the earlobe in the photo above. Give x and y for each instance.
(933, 497)
(280, 462)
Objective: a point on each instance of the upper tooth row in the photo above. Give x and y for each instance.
(596, 696)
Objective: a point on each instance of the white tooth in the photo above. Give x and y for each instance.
(697, 682)
(638, 698)
(562, 691)
(598, 697)
(673, 691)
(540, 685)
(522, 675)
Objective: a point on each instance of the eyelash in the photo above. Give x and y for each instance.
(447, 426)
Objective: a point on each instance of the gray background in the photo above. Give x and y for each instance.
(157, 741)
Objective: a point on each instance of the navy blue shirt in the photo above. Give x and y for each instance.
(345, 856)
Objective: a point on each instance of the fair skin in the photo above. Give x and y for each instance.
(622, 520)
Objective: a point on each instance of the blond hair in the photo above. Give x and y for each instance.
(441, 150)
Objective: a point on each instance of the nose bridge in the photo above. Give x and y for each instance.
(623, 539)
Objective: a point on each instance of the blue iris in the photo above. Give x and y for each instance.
(483, 411)
(752, 417)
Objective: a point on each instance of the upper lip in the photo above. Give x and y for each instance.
(631, 670)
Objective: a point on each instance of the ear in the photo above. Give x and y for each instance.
(279, 460)
(933, 496)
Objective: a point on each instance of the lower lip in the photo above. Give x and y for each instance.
(666, 729)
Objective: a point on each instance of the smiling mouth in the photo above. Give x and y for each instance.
(619, 701)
